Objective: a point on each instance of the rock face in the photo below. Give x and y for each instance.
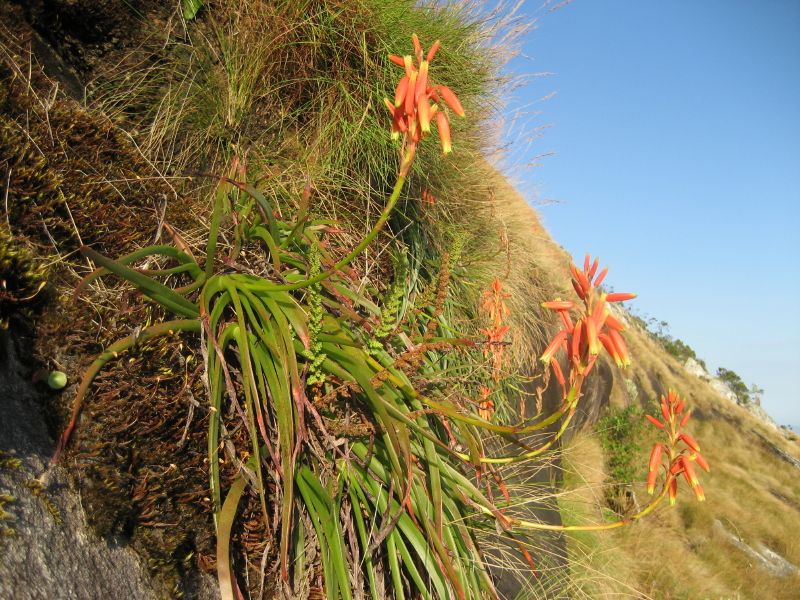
(764, 557)
(52, 553)
(693, 367)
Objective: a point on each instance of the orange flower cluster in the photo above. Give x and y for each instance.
(681, 450)
(495, 308)
(595, 328)
(418, 102)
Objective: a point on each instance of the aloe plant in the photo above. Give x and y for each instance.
(407, 489)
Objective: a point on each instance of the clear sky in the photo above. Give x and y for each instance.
(675, 128)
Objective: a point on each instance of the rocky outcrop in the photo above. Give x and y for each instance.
(693, 367)
(764, 557)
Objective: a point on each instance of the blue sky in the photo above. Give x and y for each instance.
(675, 128)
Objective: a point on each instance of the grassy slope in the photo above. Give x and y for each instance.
(679, 552)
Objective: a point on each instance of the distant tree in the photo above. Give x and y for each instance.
(735, 384)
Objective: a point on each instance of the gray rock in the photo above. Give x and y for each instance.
(695, 368)
(764, 557)
(53, 554)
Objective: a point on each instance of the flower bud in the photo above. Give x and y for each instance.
(451, 100)
(555, 344)
(655, 457)
(559, 305)
(443, 126)
(689, 441)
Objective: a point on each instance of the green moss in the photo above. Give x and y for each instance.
(22, 277)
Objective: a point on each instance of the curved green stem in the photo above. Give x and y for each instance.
(522, 523)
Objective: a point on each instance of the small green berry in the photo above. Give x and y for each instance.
(57, 380)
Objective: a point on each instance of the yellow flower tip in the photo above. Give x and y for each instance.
(672, 501)
(699, 494)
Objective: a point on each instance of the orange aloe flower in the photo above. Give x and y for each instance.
(418, 102)
(494, 307)
(595, 329)
(428, 197)
(681, 448)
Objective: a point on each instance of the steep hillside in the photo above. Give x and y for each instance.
(299, 338)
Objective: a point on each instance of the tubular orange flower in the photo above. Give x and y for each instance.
(591, 336)
(698, 458)
(599, 310)
(611, 349)
(600, 277)
(665, 410)
(401, 91)
(559, 305)
(698, 492)
(651, 481)
(451, 100)
(443, 126)
(398, 60)
(673, 491)
(612, 322)
(620, 345)
(422, 81)
(424, 109)
(583, 281)
(559, 374)
(593, 269)
(417, 46)
(579, 290)
(432, 51)
(564, 316)
(409, 99)
(655, 457)
(685, 418)
(688, 472)
(620, 297)
(655, 421)
(555, 344)
(589, 365)
(576, 340)
(689, 441)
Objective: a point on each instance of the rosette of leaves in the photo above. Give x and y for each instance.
(395, 493)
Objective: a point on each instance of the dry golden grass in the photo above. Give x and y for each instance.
(680, 552)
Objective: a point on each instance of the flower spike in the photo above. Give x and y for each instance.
(418, 100)
(680, 447)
